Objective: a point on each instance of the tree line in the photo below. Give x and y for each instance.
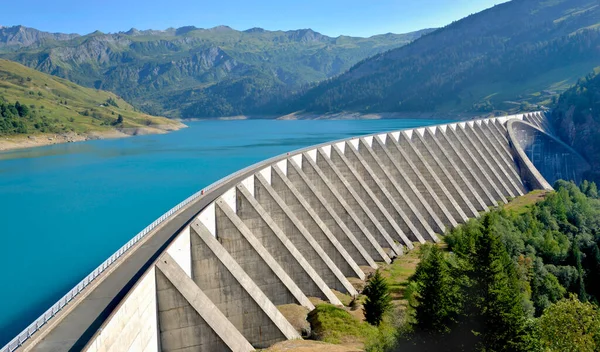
(19, 118)
(511, 281)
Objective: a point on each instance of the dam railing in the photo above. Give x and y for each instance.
(57, 307)
(38, 323)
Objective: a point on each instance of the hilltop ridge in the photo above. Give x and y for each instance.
(195, 72)
(512, 57)
(38, 109)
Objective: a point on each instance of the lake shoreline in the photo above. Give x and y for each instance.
(380, 116)
(8, 143)
(348, 115)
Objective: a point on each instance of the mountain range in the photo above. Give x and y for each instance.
(195, 72)
(516, 56)
(511, 57)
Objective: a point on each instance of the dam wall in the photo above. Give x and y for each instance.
(215, 274)
(543, 158)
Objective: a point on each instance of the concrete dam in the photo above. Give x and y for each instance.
(212, 273)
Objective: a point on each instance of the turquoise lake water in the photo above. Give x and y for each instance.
(65, 208)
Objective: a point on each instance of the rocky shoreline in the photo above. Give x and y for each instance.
(38, 140)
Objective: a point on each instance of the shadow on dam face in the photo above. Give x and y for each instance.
(552, 159)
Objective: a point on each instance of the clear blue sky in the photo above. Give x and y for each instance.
(330, 17)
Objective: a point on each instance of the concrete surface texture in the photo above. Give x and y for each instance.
(552, 159)
(302, 225)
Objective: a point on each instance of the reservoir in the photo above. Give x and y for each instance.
(65, 208)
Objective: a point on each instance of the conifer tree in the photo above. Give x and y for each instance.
(592, 191)
(437, 300)
(378, 300)
(584, 186)
(497, 295)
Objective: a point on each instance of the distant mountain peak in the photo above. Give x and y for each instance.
(21, 36)
(255, 30)
(132, 31)
(184, 30)
(221, 28)
(307, 35)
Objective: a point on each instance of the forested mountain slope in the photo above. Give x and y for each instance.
(192, 72)
(514, 54)
(577, 119)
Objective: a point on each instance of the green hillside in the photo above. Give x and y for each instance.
(514, 56)
(193, 72)
(33, 102)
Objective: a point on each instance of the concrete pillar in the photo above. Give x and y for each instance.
(407, 198)
(345, 253)
(493, 159)
(533, 120)
(336, 212)
(543, 117)
(468, 154)
(345, 201)
(280, 247)
(417, 168)
(236, 295)
(299, 235)
(188, 318)
(336, 168)
(477, 152)
(450, 186)
(132, 326)
(349, 162)
(256, 261)
(425, 168)
(489, 126)
(500, 153)
(465, 178)
(502, 132)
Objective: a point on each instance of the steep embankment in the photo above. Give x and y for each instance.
(193, 72)
(577, 119)
(509, 57)
(38, 109)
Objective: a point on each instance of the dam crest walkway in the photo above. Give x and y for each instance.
(211, 274)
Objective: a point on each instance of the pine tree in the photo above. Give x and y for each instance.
(579, 285)
(584, 186)
(592, 190)
(437, 300)
(497, 295)
(378, 300)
